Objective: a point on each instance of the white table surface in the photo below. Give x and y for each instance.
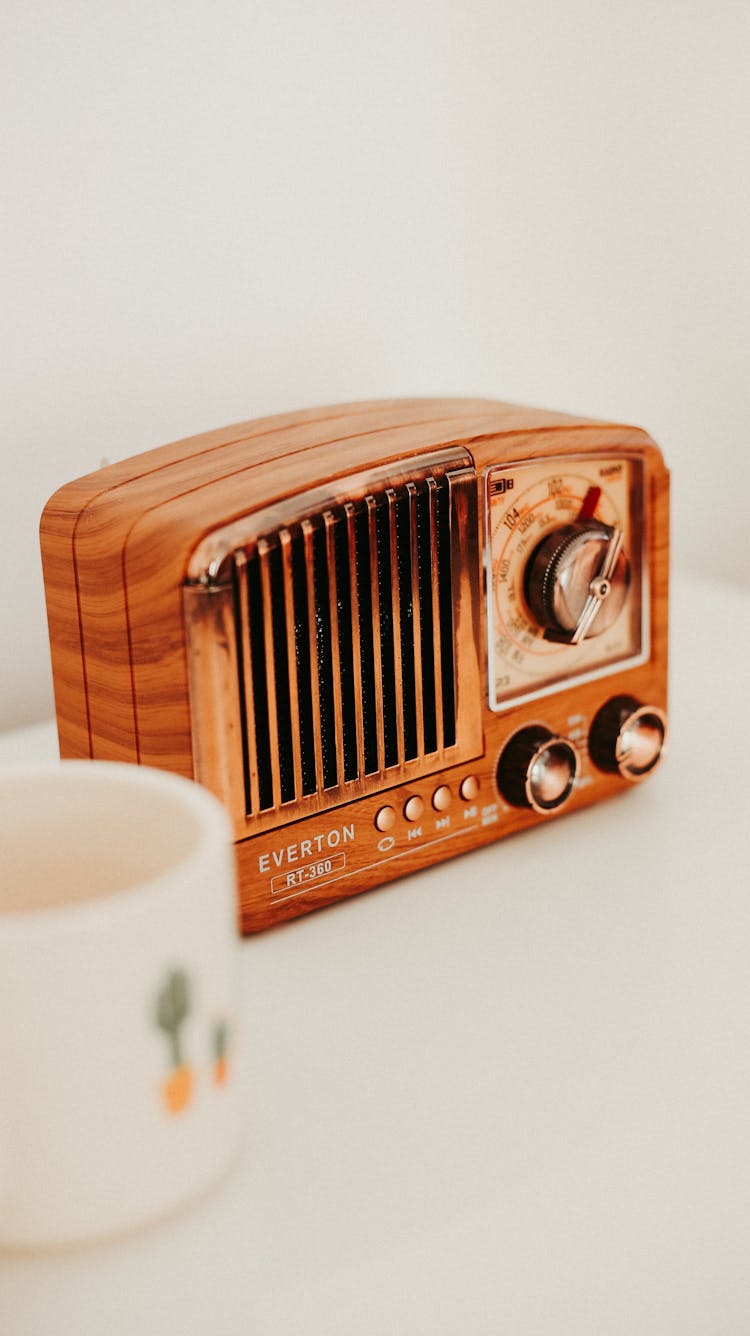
(508, 1095)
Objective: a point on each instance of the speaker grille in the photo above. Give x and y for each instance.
(345, 631)
(334, 642)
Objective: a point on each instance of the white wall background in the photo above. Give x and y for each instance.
(214, 211)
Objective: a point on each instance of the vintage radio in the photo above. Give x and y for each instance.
(382, 633)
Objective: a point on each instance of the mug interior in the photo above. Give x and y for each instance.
(83, 830)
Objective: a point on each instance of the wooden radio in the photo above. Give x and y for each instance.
(382, 633)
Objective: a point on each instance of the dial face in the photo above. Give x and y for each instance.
(566, 598)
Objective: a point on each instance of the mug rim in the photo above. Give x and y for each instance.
(210, 817)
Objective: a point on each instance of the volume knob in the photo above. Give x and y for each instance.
(628, 737)
(537, 769)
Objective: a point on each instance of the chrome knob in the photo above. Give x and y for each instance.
(537, 769)
(576, 580)
(628, 738)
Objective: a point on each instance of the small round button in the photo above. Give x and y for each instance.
(469, 788)
(413, 807)
(386, 818)
(441, 798)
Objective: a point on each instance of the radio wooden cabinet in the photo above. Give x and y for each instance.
(382, 633)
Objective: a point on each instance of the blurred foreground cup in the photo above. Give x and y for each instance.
(119, 1091)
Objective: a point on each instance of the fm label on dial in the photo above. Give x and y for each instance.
(565, 598)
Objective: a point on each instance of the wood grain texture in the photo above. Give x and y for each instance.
(57, 538)
(116, 545)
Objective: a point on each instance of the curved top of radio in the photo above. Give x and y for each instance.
(346, 436)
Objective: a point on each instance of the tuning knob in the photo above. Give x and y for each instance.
(576, 580)
(628, 737)
(537, 769)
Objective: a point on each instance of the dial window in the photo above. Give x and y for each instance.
(566, 594)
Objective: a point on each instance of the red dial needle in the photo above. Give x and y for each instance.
(590, 502)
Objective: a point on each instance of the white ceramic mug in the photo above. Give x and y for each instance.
(118, 1015)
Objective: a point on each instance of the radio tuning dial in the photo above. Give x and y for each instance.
(537, 769)
(576, 580)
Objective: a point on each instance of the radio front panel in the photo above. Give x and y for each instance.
(416, 639)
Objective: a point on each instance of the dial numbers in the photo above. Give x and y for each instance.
(562, 535)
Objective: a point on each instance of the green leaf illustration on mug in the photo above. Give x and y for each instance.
(172, 1008)
(220, 1045)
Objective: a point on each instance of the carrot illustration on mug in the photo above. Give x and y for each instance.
(172, 1008)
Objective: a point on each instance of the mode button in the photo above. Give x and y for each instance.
(385, 818)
